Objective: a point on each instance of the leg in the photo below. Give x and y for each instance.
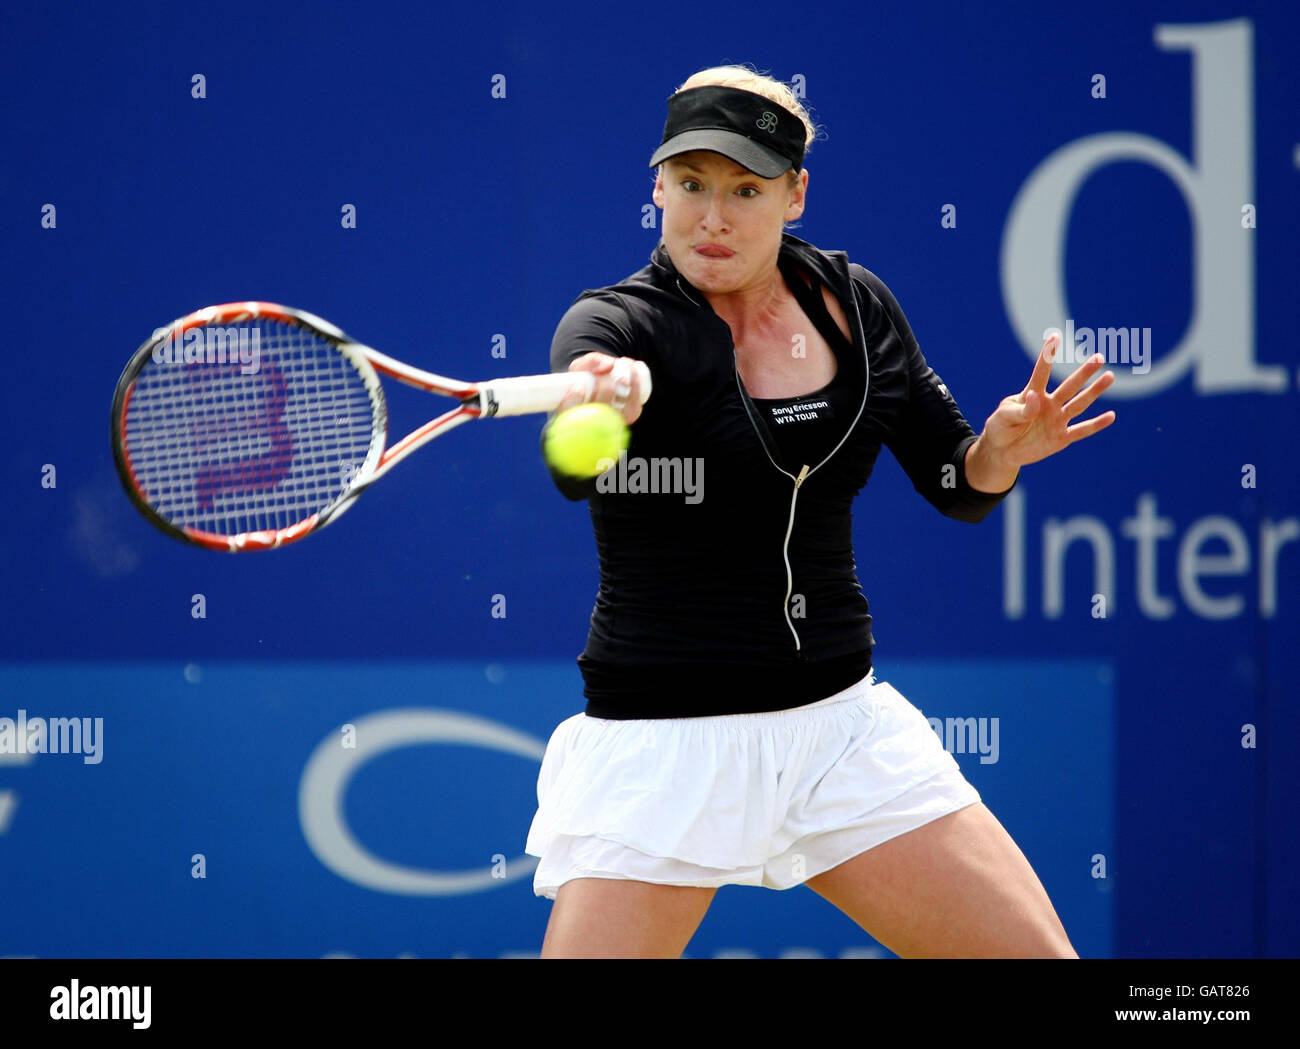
(619, 918)
(957, 886)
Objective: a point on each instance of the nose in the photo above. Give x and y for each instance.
(714, 219)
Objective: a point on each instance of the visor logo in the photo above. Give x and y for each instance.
(767, 122)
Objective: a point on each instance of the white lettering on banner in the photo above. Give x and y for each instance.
(1146, 528)
(1220, 338)
(330, 769)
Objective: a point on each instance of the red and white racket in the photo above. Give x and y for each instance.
(250, 425)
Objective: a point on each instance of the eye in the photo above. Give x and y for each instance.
(688, 183)
(752, 190)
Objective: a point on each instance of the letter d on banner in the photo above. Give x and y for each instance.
(1221, 337)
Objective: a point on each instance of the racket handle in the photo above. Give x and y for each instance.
(528, 394)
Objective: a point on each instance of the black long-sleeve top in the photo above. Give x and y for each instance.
(727, 585)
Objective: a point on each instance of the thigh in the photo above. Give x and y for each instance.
(620, 918)
(957, 886)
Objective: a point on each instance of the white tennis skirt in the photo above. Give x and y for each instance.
(769, 799)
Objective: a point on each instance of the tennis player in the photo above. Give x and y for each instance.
(734, 732)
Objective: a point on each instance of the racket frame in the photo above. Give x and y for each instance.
(494, 397)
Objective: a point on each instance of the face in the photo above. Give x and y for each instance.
(722, 223)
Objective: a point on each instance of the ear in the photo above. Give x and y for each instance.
(657, 194)
(798, 197)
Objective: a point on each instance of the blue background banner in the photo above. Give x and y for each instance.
(1129, 614)
(380, 810)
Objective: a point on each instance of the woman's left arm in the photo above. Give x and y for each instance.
(929, 436)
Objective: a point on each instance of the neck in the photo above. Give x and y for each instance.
(751, 307)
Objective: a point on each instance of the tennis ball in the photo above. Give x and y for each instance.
(585, 440)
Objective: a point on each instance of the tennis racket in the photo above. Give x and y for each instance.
(250, 425)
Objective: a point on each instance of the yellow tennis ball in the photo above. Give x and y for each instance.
(585, 440)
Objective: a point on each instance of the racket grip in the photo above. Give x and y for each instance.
(528, 394)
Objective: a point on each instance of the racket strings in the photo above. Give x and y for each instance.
(248, 440)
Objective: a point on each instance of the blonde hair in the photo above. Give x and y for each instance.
(746, 78)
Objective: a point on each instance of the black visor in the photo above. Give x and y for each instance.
(752, 130)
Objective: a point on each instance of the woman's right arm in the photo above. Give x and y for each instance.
(595, 335)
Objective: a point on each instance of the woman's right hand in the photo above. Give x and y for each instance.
(617, 384)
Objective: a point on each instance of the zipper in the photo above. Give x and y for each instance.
(794, 498)
(789, 573)
(806, 471)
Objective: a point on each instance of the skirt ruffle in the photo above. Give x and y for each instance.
(733, 791)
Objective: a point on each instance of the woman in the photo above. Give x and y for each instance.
(734, 732)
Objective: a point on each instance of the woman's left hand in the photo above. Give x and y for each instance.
(1033, 424)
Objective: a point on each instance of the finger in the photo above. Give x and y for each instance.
(583, 388)
(632, 412)
(592, 363)
(1078, 378)
(625, 390)
(599, 363)
(577, 395)
(1080, 403)
(1082, 430)
(604, 390)
(631, 394)
(621, 376)
(1026, 409)
(1043, 366)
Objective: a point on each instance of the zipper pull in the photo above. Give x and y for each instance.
(802, 474)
